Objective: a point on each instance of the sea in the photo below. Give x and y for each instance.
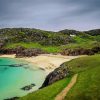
(16, 74)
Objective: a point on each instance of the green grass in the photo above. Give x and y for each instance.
(81, 42)
(88, 83)
(54, 49)
(78, 39)
(86, 45)
(97, 38)
(26, 45)
(86, 88)
(48, 93)
(83, 63)
(49, 49)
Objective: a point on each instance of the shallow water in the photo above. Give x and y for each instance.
(12, 79)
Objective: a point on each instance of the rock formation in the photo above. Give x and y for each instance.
(13, 98)
(29, 52)
(28, 87)
(80, 51)
(56, 75)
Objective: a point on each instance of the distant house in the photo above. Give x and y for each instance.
(72, 35)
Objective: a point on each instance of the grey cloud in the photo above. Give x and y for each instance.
(50, 14)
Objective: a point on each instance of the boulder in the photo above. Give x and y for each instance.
(28, 87)
(13, 98)
(56, 75)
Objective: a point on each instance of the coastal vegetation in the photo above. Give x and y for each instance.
(50, 42)
(25, 42)
(48, 93)
(87, 85)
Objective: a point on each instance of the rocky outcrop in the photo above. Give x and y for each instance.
(11, 51)
(96, 49)
(56, 75)
(75, 52)
(17, 65)
(7, 51)
(29, 52)
(22, 52)
(14, 98)
(28, 87)
(80, 51)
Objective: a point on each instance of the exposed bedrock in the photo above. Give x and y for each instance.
(80, 51)
(13, 98)
(23, 52)
(29, 52)
(28, 87)
(56, 75)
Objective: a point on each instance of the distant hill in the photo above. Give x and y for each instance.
(94, 32)
(70, 32)
(33, 35)
(49, 41)
(45, 37)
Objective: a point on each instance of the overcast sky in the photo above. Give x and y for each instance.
(50, 14)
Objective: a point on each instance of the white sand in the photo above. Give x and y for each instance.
(48, 62)
(8, 56)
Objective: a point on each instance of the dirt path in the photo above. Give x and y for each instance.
(64, 92)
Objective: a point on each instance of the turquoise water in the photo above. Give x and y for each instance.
(12, 79)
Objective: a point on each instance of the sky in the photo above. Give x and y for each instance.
(53, 15)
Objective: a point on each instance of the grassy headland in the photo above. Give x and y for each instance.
(48, 93)
(86, 88)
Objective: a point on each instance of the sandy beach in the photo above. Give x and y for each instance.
(48, 62)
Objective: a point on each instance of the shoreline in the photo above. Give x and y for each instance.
(47, 62)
